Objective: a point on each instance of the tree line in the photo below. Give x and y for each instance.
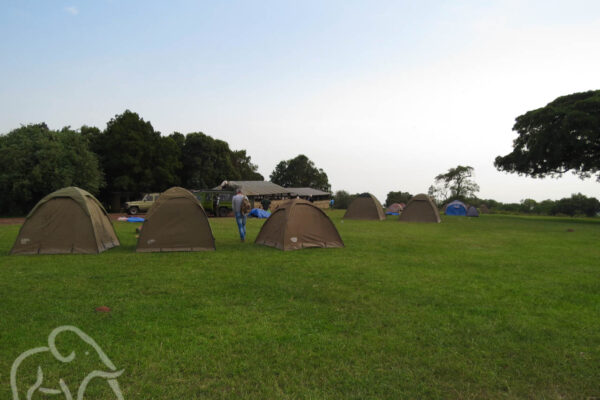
(458, 184)
(129, 155)
(578, 205)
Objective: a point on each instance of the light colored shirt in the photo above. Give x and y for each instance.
(236, 203)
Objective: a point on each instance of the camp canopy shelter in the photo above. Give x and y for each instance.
(307, 193)
(69, 220)
(456, 207)
(420, 209)
(472, 212)
(365, 206)
(176, 222)
(256, 188)
(298, 224)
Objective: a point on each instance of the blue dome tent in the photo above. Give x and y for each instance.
(456, 208)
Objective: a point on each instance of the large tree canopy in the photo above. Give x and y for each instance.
(342, 199)
(562, 136)
(206, 161)
(300, 172)
(129, 154)
(35, 161)
(397, 197)
(244, 166)
(454, 184)
(135, 157)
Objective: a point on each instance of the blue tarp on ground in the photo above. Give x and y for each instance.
(392, 213)
(259, 213)
(456, 208)
(135, 219)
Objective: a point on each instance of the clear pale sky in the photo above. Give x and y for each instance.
(383, 95)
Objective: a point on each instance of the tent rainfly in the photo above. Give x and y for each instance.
(472, 212)
(365, 206)
(298, 224)
(456, 207)
(420, 209)
(67, 221)
(176, 222)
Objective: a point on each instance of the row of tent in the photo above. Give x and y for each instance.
(72, 220)
(459, 208)
(420, 208)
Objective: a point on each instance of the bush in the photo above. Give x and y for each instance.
(342, 199)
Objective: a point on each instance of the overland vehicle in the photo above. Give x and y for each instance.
(215, 202)
(141, 206)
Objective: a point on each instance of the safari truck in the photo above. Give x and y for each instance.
(141, 206)
(215, 202)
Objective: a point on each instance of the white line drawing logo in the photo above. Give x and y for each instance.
(110, 377)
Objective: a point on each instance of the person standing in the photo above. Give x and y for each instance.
(265, 203)
(216, 204)
(237, 203)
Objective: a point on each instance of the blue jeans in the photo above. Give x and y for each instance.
(241, 222)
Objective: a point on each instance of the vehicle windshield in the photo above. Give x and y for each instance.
(147, 198)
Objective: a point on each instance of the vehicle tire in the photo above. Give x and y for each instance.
(133, 210)
(223, 212)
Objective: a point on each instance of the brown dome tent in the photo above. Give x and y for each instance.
(69, 220)
(420, 209)
(176, 222)
(298, 224)
(365, 206)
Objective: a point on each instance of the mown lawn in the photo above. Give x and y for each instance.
(495, 307)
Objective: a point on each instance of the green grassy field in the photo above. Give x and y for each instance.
(495, 307)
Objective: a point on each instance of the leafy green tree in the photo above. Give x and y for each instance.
(246, 170)
(577, 204)
(300, 172)
(206, 161)
(544, 207)
(397, 197)
(529, 206)
(439, 193)
(134, 157)
(454, 184)
(342, 199)
(91, 133)
(564, 135)
(179, 139)
(168, 166)
(35, 161)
